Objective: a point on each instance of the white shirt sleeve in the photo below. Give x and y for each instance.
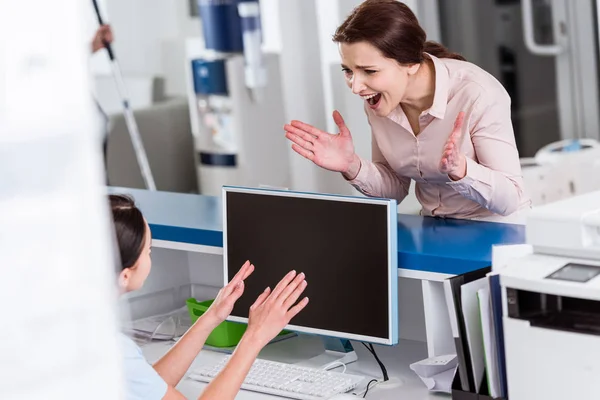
(142, 382)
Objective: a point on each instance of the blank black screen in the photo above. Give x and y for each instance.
(342, 247)
(576, 272)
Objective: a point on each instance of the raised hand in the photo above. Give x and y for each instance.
(220, 309)
(272, 311)
(332, 152)
(454, 162)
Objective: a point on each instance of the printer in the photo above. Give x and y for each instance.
(551, 304)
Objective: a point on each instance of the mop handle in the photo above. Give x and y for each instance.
(136, 140)
(101, 22)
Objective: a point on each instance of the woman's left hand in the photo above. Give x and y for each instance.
(220, 309)
(453, 162)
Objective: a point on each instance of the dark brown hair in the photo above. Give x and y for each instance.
(393, 28)
(130, 229)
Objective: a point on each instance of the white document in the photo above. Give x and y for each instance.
(489, 341)
(166, 326)
(470, 306)
(441, 382)
(434, 365)
(451, 308)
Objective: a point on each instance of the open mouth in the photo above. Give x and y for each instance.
(372, 99)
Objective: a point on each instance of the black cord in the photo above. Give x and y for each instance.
(383, 369)
(368, 385)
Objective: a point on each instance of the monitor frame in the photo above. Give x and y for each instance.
(392, 234)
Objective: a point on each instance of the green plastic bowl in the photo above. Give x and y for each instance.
(227, 334)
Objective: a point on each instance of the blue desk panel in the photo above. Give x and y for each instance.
(448, 246)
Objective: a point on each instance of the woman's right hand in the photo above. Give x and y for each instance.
(223, 304)
(103, 35)
(332, 152)
(272, 311)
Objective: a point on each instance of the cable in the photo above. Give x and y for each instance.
(328, 366)
(369, 385)
(383, 369)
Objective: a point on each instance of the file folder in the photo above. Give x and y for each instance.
(452, 292)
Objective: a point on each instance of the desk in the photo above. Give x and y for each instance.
(429, 249)
(396, 359)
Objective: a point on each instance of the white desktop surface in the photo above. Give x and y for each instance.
(396, 359)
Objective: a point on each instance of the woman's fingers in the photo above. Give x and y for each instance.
(287, 291)
(249, 270)
(306, 128)
(449, 152)
(297, 308)
(293, 297)
(339, 121)
(301, 133)
(282, 285)
(300, 141)
(449, 161)
(261, 298)
(237, 292)
(309, 155)
(242, 273)
(239, 278)
(457, 131)
(458, 123)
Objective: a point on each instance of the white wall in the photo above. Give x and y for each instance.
(149, 39)
(428, 15)
(302, 84)
(271, 26)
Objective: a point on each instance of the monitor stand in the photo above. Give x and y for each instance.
(336, 351)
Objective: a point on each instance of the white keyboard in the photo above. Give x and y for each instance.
(286, 380)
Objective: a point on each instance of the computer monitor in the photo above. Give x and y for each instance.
(346, 246)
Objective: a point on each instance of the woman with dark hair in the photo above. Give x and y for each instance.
(435, 119)
(270, 313)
